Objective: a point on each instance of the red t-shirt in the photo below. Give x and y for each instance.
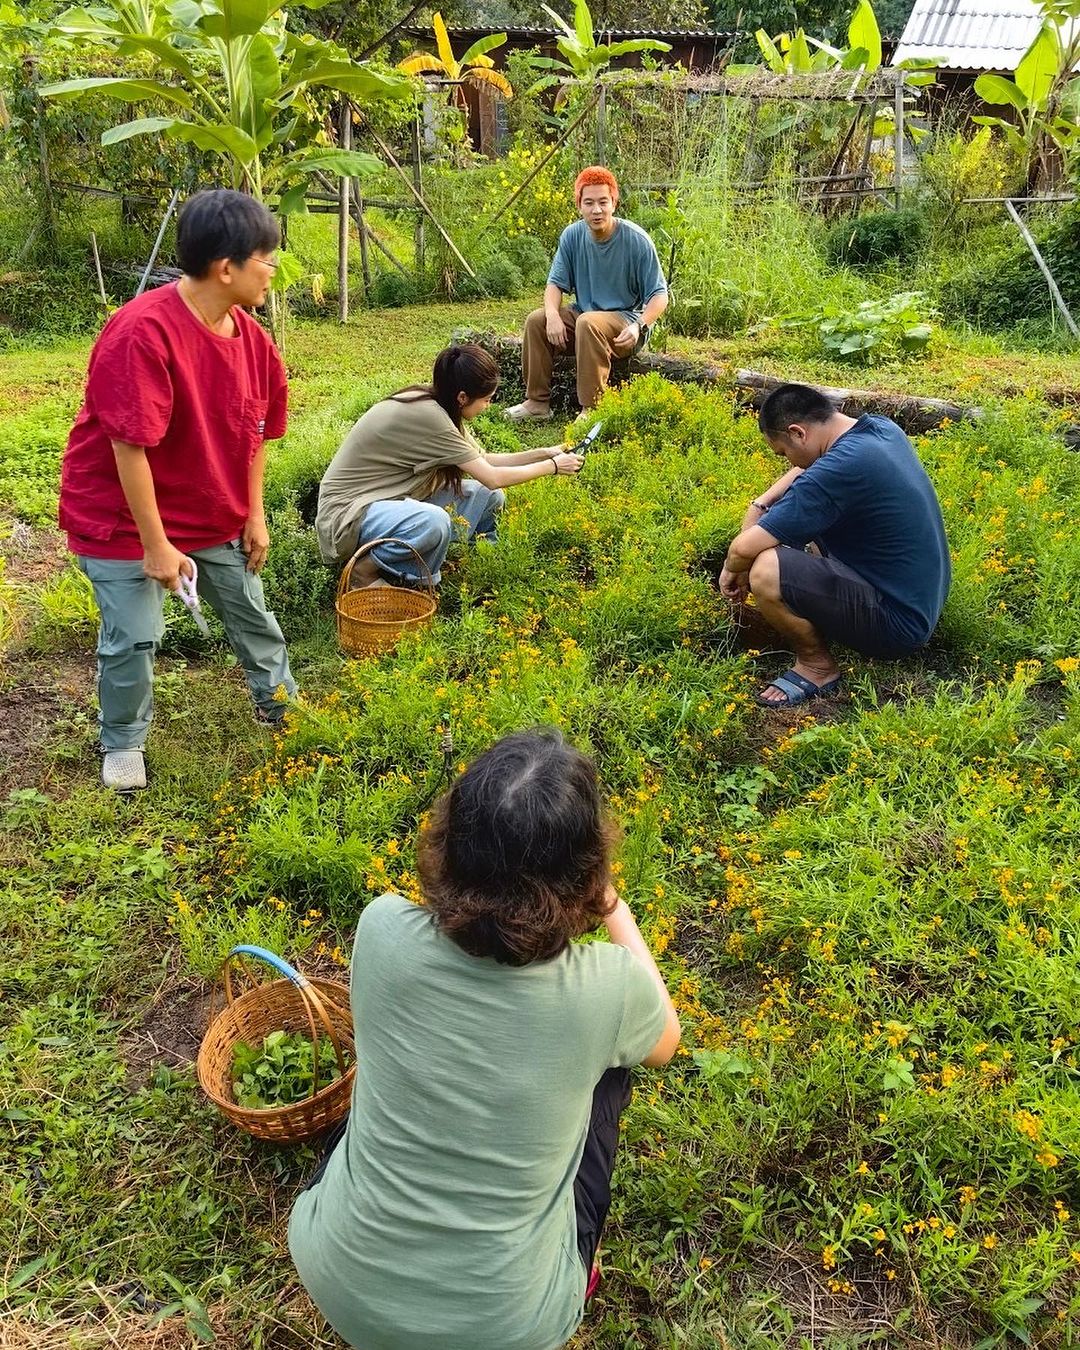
(200, 404)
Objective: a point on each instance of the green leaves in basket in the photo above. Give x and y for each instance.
(280, 1072)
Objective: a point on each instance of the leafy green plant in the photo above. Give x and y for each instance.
(583, 58)
(877, 237)
(242, 86)
(281, 1071)
(472, 67)
(1044, 95)
(898, 326)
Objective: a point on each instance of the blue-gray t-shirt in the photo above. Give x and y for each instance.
(622, 274)
(869, 503)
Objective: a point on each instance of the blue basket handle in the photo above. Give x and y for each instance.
(271, 959)
(313, 1004)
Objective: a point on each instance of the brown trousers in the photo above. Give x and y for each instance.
(589, 336)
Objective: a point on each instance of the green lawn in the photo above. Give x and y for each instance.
(868, 913)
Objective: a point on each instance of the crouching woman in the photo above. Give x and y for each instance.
(410, 465)
(461, 1208)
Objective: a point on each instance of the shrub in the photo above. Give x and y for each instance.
(530, 257)
(880, 237)
(391, 290)
(497, 277)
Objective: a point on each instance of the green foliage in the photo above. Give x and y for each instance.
(1044, 96)
(391, 290)
(998, 284)
(894, 327)
(869, 919)
(281, 1071)
(876, 238)
(583, 58)
(242, 82)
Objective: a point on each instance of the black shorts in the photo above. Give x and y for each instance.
(841, 605)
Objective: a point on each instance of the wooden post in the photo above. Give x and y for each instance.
(601, 126)
(46, 176)
(1059, 301)
(361, 225)
(343, 218)
(898, 139)
(366, 232)
(418, 182)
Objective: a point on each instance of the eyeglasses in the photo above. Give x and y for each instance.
(272, 263)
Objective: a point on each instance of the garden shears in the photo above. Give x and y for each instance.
(190, 596)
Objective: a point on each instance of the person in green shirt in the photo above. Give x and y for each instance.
(410, 461)
(461, 1206)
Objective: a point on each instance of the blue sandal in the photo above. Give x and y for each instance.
(797, 689)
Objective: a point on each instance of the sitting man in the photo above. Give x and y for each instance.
(881, 574)
(611, 268)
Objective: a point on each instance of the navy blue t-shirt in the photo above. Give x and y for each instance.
(868, 502)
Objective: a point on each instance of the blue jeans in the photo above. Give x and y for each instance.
(133, 624)
(428, 526)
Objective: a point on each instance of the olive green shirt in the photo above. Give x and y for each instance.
(445, 1217)
(391, 453)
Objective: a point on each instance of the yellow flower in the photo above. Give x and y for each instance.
(990, 1242)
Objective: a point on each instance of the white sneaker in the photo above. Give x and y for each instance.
(519, 413)
(123, 770)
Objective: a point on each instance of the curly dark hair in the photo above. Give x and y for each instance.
(514, 858)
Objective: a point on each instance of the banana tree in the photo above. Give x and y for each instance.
(1044, 95)
(475, 66)
(234, 81)
(583, 58)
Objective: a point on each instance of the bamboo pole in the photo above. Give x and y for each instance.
(157, 242)
(391, 159)
(550, 155)
(418, 180)
(343, 219)
(365, 228)
(100, 278)
(362, 229)
(1070, 322)
(898, 139)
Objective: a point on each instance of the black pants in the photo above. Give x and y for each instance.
(842, 606)
(592, 1185)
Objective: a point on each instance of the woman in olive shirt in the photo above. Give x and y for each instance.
(462, 1208)
(403, 467)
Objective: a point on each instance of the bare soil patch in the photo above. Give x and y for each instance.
(34, 695)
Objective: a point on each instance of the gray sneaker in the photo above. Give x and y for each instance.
(123, 770)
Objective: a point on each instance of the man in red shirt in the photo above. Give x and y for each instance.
(164, 466)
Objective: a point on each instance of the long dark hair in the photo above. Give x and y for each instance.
(463, 368)
(513, 861)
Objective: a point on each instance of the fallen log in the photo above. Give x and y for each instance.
(507, 352)
(914, 414)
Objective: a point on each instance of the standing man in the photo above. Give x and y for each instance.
(610, 267)
(857, 490)
(164, 467)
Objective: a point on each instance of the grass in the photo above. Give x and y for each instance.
(867, 912)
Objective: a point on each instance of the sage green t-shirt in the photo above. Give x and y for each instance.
(445, 1217)
(392, 452)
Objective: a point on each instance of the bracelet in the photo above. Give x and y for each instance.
(758, 505)
(556, 464)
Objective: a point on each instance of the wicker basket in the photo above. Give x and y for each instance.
(293, 1004)
(371, 620)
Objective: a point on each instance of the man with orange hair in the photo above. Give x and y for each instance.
(610, 267)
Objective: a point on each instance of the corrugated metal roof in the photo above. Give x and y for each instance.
(970, 34)
(602, 34)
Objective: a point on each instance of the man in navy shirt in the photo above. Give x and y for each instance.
(610, 267)
(879, 578)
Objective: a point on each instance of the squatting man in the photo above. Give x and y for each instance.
(878, 573)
